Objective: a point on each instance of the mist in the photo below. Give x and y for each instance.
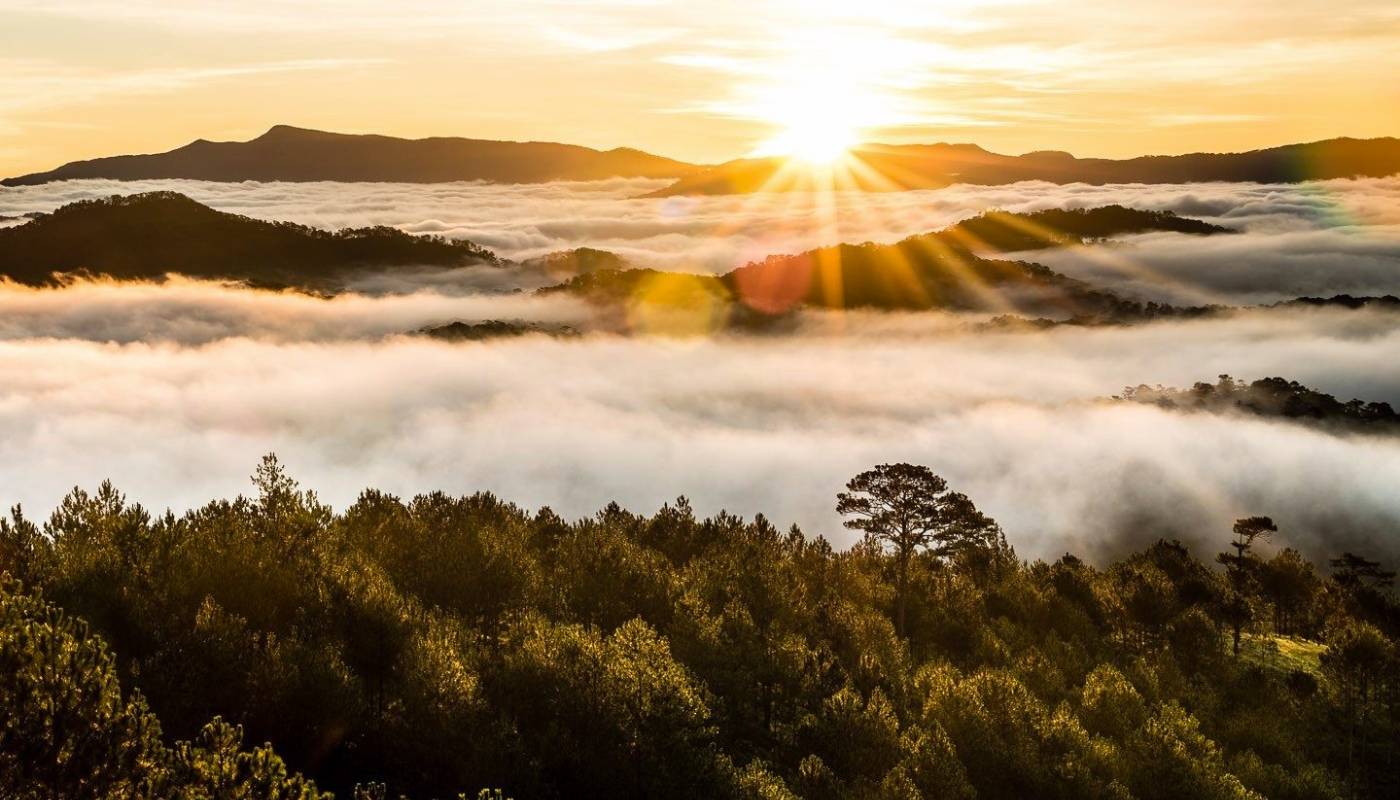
(1246, 268)
(188, 311)
(748, 424)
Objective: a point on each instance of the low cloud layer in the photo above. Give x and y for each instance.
(772, 425)
(195, 312)
(1247, 268)
(1312, 238)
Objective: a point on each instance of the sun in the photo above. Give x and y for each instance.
(816, 116)
(815, 143)
(811, 129)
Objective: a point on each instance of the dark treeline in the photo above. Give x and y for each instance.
(444, 644)
(1270, 397)
(1387, 302)
(492, 329)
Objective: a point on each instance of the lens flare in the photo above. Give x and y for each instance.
(678, 304)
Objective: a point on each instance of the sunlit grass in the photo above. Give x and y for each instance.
(1282, 653)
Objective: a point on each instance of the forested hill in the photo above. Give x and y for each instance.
(947, 269)
(931, 166)
(1271, 397)
(146, 236)
(286, 153)
(1007, 232)
(445, 644)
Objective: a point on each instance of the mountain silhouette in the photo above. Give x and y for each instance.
(944, 270)
(897, 167)
(286, 153)
(147, 236)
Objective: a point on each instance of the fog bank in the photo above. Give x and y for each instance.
(187, 311)
(750, 425)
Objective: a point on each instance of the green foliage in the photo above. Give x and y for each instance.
(607, 711)
(428, 646)
(69, 731)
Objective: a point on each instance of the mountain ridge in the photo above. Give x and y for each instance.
(296, 154)
(885, 167)
(289, 153)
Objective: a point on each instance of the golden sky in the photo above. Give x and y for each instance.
(702, 80)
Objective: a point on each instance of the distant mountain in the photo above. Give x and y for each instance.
(146, 236)
(945, 270)
(896, 167)
(285, 153)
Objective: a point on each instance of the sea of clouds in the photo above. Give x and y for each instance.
(749, 424)
(174, 390)
(1339, 236)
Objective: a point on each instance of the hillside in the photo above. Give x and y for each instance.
(940, 270)
(897, 167)
(1005, 232)
(146, 236)
(431, 645)
(1271, 397)
(286, 153)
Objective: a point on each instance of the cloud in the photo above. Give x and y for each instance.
(750, 424)
(194, 312)
(1249, 268)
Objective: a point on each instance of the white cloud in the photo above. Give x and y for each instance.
(770, 425)
(196, 312)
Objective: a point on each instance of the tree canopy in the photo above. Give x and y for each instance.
(436, 645)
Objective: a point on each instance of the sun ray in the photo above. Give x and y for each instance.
(1108, 258)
